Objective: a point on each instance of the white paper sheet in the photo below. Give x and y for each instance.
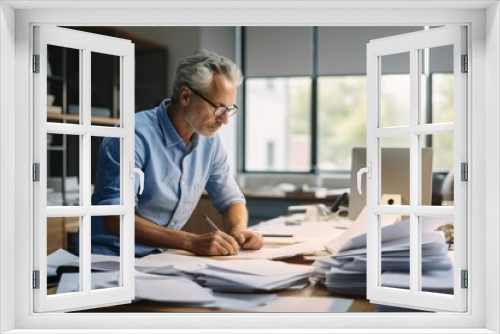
(241, 301)
(58, 258)
(278, 253)
(259, 267)
(70, 281)
(306, 304)
(171, 289)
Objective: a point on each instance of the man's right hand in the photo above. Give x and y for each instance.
(214, 243)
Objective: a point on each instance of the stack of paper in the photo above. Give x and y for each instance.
(345, 270)
(168, 278)
(252, 275)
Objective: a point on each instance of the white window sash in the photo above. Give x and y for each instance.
(412, 43)
(86, 43)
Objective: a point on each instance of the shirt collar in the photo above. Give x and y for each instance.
(171, 135)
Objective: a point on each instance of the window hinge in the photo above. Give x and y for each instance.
(465, 279)
(36, 63)
(36, 172)
(36, 279)
(464, 171)
(465, 64)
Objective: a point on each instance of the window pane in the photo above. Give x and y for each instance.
(106, 269)
(341, 120)
(442, 167)
(106, 168)
(63, 83)
(395, 262)
(442, 98)
(395, 171)
(105, 88)
(61, 233)
(395, 90)
(63, 170)
(439, 75)
(437, 254)
(278, 125)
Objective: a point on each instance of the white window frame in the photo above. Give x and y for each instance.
(415, 44)
(85, 43)
(16, 113)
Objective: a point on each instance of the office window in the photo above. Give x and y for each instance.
(305, 95)
(278, 124)
(341, 120)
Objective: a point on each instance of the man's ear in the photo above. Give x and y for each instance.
(184, 96)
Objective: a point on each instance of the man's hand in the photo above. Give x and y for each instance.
(214, 243)
(248, 239)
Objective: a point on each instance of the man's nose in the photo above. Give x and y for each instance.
(224, 118)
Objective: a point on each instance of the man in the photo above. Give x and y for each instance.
(180, 153)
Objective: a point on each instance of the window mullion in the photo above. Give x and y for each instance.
(415, 171)
(314, 99)
(85, 168)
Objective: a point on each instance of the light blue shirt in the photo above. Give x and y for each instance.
(175, 177)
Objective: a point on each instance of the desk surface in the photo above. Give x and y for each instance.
(313, 290)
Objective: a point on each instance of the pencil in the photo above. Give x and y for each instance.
(209, 221)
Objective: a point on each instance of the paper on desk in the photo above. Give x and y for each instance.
(162, 264)
(282, 241)
(100, 262)
(355, 236)
(276, 226)
(168, 263)
(278, 253)
(432, 244)
(170, 289)
(228, 283)
(58, 258)
(70, 281)
(259, 267)
(440, 281)
(241, 301)
(357, 228)
(254, 281)
(306, 304)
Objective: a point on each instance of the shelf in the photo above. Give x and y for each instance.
(55, 148)
(55, 77)
(95, 120)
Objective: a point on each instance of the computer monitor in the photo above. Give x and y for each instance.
(395, 176)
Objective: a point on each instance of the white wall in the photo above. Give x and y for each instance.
(7, 158)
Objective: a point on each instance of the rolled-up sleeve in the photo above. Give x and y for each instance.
(221, 186)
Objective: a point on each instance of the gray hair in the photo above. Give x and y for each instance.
(197, 70)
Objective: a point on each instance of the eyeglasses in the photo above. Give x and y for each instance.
(219, 110)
